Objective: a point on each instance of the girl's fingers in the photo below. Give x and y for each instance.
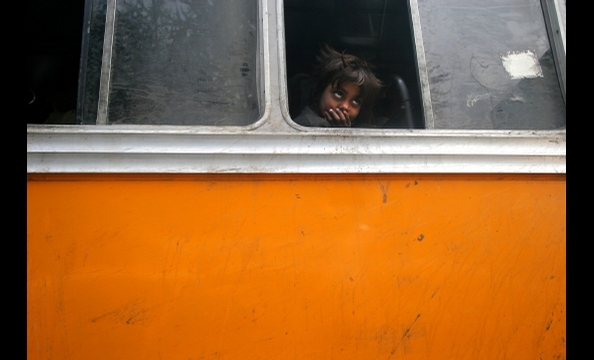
(338, 117)
(334, 117)
(334, 114)
(345, 119)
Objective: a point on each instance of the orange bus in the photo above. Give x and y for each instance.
(176, 211)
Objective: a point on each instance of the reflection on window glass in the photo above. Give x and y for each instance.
(377, 31)
(490, 65)
(184, 62)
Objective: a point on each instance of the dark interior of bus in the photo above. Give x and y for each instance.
(54, 35)
(379, 31)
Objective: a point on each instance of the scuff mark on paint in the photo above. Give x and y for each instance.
(385, 192)
(406, 333)
(522, 64)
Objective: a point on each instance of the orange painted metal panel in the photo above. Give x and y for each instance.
(296, 267)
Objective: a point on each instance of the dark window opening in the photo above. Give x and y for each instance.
(379, 31)
(54, 34)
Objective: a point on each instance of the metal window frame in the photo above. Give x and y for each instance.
(275, 144)
(555, 19)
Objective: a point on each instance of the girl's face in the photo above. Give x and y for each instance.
(343, 100)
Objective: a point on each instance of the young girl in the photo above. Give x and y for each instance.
(344, 87)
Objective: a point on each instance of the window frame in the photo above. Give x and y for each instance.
(276, 144)
(555, 21)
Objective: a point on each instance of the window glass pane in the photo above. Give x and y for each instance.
(490, 65)
(90, 62)
(185, 62)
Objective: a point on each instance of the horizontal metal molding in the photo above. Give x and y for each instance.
(99, 149)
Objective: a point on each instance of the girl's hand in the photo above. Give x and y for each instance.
(338, 117)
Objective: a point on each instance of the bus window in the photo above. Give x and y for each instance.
(490, 65)
(378, 31)
(466, 64)
(173, 62)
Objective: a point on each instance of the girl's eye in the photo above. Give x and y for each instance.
(357, 102)
(338, 94)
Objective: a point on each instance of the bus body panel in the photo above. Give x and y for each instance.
(296, 266)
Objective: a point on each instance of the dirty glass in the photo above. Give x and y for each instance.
(184, 62)
(489, 65)
(90, 63)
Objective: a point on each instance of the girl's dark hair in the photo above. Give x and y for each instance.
(339, 68)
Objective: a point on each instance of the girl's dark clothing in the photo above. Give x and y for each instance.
(308, 117)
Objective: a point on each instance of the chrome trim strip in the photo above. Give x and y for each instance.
(107, 149)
